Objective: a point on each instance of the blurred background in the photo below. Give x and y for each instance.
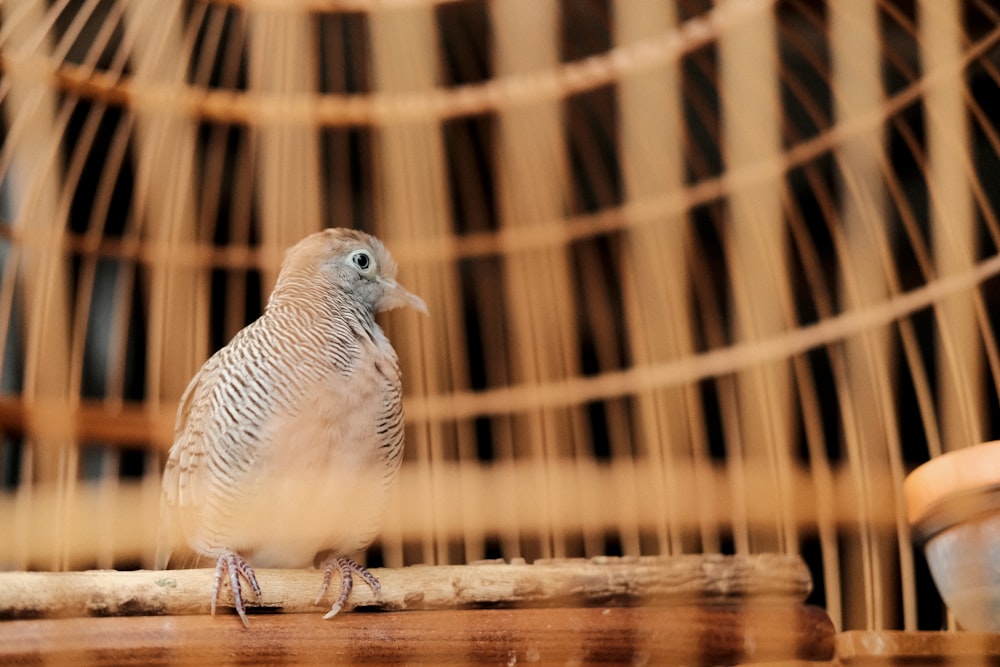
(704, 276)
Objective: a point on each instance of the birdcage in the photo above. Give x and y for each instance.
(706, 281)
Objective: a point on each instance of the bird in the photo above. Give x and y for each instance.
(289, 438)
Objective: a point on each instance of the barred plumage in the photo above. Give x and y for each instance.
(287, 439)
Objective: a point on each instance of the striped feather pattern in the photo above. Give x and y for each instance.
(288, 438)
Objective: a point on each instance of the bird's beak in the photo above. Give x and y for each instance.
(397, 296)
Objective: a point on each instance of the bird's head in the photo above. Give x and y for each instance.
(353, 261)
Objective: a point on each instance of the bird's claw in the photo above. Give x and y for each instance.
(232, 563)
(347, 568)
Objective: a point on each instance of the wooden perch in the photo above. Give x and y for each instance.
(686, 579)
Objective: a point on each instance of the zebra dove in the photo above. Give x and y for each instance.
(288, 438)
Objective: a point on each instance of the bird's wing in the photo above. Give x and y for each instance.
(390, 418)
(177, 495)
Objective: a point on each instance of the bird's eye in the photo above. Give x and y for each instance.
(363, 261)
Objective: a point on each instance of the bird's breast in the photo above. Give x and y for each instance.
(318, 484)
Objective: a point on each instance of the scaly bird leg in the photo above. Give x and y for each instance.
(347, 568)
(232, 563)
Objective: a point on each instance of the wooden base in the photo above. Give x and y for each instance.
(970, 649)
(695, 609)
(706, 635)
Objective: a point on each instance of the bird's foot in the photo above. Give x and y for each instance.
(231, 563)
(347, 568)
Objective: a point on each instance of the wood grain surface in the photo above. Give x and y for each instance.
(684, 634)
(601, 581)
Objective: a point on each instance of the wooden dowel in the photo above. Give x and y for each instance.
(614, 581)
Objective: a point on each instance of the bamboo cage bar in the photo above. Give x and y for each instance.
(131, 519)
